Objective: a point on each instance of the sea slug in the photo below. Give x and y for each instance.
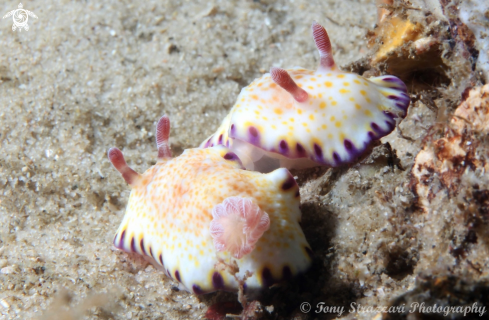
(299, 118)
(202, 208)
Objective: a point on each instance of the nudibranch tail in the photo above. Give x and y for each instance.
(117, 159)
(283, 79)
(238, 223)
(323, 44)
(162, 136)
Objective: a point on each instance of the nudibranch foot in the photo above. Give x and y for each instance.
(300, 118)
(191, 212)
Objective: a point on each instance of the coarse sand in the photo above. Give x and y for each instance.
(90, 75)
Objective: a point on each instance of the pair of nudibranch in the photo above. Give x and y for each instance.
(207, 206)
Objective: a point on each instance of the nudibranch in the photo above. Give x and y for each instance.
(299, 118)
(202, 208)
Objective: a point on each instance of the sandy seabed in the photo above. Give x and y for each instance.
(90, 75)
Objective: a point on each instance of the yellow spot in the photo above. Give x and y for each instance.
(277, 111)
(322, 105)
(260, 84)
(291, 128)
(300, 85)
(324, 126)
(356, 81)
(290, 133)
(273, 85)
(313, 79)
(329, 74)
(368, 113)
(332, 118)
(363, 93)
(304, 124)
(333, 103)
(311, 117)
(352, 99)
(381, 107)
(340, 76)
(260, 107)
(320, 95)
(254, 97)
(344, 91)
(298, 77)
(328, 84)
(346, 84)
(368, 100)
(265, 118)
(299, 111)
(330, 136)
(358, 106)
(257, 112)
(274, 127)
(310, 87)
(338, 124)
(291, 119)
(308, 130)
(284, 122)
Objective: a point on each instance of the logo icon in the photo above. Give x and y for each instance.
(20, 17)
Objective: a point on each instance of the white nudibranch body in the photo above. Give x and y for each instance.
(299, 118)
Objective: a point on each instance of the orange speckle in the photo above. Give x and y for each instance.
(260, 84)
(344, 91)
(273, 85)
(322, 105)
(329, 74)
(298, 77)
(299, 111)
(300, 85)
(340, 76)
(277, 111)
(310, 87)
(356, 81)
(254, 97)
(346, 84)
(328, 84)
(311, 117)
(313, 79)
